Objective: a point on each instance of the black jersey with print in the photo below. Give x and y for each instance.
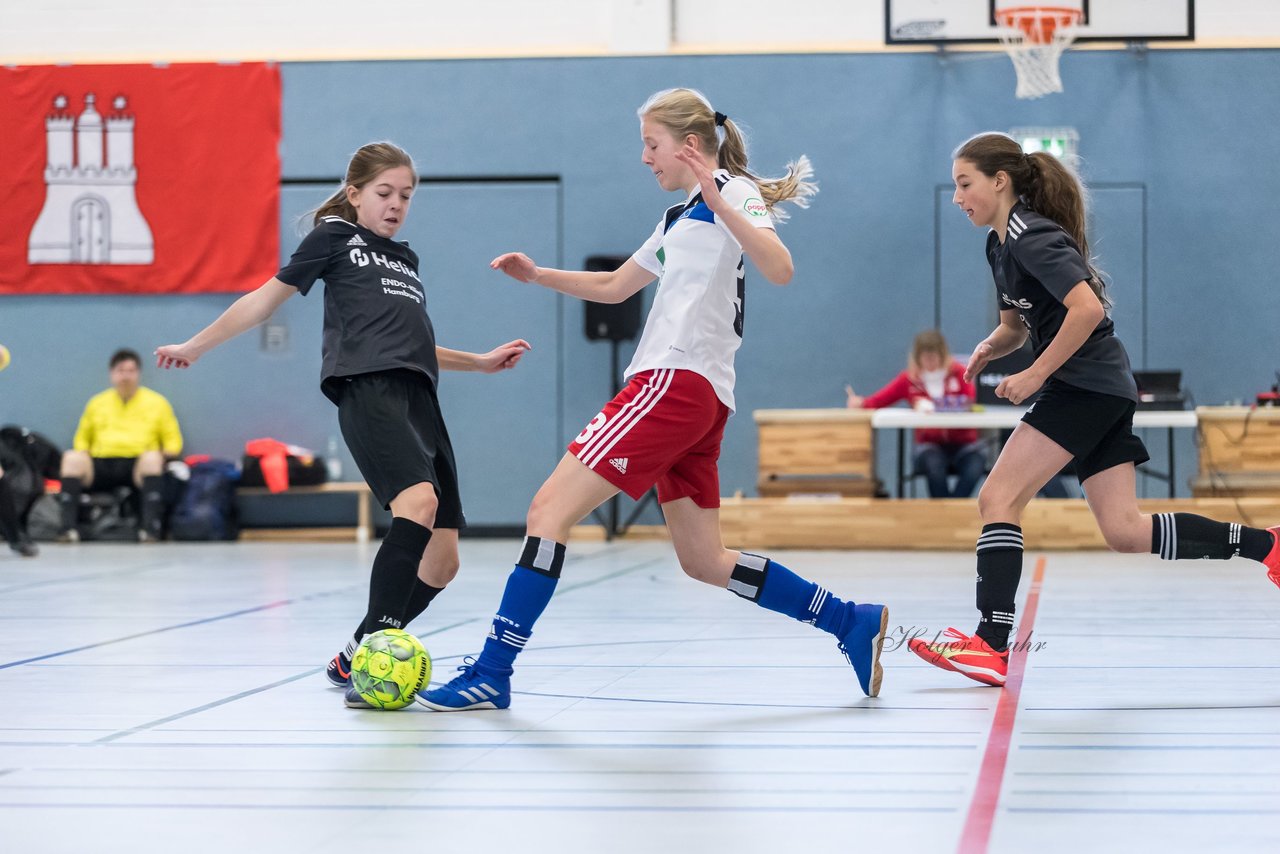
(1034, 269)
(375, 316)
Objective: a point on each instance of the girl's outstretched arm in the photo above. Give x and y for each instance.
(243, 314)
(608, 287)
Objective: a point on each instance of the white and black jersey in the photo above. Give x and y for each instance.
(1034, 269)
(375, 316)
(696, 320)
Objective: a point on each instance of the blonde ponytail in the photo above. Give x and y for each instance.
(687, 111)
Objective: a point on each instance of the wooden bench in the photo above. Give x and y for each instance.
(363, 531)
(1239, 454)
(807, 451)
(1236, 484)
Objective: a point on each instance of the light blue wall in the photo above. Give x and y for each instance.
(1191, 129)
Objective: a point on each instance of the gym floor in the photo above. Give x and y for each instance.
(172, 696)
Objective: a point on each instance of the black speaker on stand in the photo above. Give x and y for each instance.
(615, 323)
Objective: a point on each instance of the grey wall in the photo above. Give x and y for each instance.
(1180, 135)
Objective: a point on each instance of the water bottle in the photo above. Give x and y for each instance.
(332, 462)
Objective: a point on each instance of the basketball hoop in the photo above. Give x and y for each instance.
(1035, 37)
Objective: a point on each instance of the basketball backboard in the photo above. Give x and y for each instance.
(943, 22)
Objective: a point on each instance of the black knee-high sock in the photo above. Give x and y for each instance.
(153, 505)
(69, 501)
(423, 594)
(999, 570)
(395, 572)
(9, 527)
(1182, 536)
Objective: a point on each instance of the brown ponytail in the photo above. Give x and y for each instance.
(367, 163)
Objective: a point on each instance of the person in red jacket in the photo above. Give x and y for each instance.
(934, 380)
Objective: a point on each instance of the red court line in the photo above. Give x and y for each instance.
(986, 796)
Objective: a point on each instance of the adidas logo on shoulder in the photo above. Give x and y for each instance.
(620, 463)
(1016, 226)
(356, 240)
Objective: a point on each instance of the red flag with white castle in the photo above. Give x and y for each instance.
(139, 179)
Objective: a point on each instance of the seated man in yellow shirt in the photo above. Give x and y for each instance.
(124, 436)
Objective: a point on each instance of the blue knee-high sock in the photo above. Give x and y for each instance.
(529, 589)
(771, 585)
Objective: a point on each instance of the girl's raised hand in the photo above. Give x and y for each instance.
(707, 182)
(517, 265)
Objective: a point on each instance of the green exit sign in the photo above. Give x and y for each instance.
(1061, 142)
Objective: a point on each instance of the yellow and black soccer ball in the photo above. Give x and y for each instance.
(389, 668)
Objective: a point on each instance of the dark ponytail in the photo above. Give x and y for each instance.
(1044, 183)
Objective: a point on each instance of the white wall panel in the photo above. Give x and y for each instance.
(131, 30)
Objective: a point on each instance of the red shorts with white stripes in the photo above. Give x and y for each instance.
(664, 428)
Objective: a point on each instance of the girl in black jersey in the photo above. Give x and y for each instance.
(1048, 291)
(380, 367)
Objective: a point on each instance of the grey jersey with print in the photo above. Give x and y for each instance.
(375, 316)
(1034, 269)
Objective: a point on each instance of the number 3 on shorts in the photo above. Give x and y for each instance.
(596, 424)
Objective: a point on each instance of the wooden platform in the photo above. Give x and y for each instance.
(922, 524)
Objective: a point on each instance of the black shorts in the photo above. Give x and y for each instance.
(392, 424)
(1095, 428)
(110, 472)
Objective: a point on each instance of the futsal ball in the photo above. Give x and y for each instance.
(4, 357)
(389, 668)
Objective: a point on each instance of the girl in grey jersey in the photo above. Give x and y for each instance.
(1049, 292)
(380, 366)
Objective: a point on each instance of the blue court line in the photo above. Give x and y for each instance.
(488, 772)
(1152, 708)
(1093, 793)
(136, 570)
(267, 607)
(1158, 667)
(432, 745)
(849, 708)
(1141, 811)
(1150, 747)
(202, 621)
(841, 809)
(383, 730)
(440, 786)
(312, 671)
(141, 727)
(420, 730)
(1160, 774)
(1027, 732)
(240, 696)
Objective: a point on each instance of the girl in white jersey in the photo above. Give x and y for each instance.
(665, 427)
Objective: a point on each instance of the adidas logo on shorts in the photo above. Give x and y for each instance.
(620, 463)
(357, 240)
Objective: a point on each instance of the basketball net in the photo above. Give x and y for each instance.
(1035, 37)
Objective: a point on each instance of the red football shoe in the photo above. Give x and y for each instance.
(1272, 560)
(970, 655)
